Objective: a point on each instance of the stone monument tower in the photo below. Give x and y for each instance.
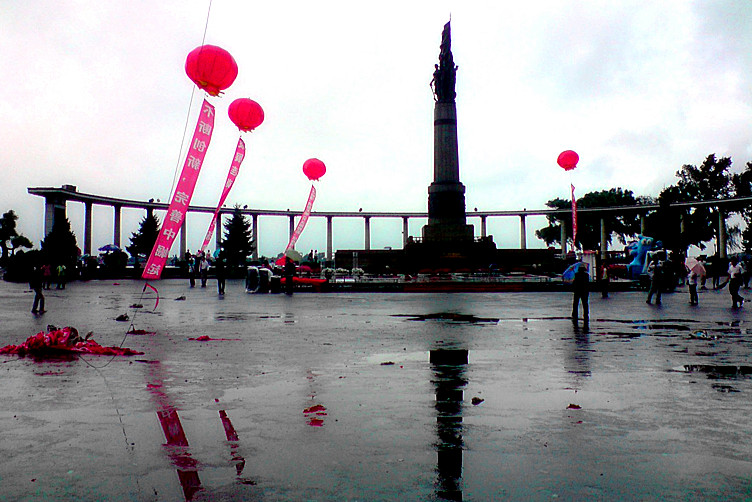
(446, 195)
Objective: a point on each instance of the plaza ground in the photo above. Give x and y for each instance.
(334, 397)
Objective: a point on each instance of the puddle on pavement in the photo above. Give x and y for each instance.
(717, 370)
(450, 317)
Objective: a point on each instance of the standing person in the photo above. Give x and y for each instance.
(191, 269)
(692, 283)
(704, 276)
(204, 270)
(604, 280)
(289, 275)
(655, 270)
(581, 291)
(735, 282)
(219, 269)
(46, 276)
(60, 276)
(36, 283)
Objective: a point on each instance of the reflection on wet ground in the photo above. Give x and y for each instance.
(337, 397)
(448, 316)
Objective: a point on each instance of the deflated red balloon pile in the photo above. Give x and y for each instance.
(65, 340)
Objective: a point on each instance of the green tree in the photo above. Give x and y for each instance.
(143, 240)
(238, 243)
(742, 183)
(19, 241)
(711, 180)
(622, 225)
(59, 247)
(7, 232)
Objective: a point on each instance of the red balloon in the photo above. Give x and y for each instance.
(246, 114)
(211, 68)
(568, 160)
(314, 169)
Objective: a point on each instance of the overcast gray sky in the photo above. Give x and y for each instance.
(95, 95)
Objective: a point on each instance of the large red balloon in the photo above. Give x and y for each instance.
(568, 160)
(314, 169)
(246, 114)
(211, 68)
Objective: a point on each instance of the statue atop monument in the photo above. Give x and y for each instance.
(445, 74)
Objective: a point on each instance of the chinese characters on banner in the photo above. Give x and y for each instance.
(574, 219)
(183, 193)
(301, 224)
(234, 168)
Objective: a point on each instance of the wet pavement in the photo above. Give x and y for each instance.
(358, 396)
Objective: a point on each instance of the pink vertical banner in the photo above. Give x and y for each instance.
(181, 199)
(301, 224)
(234, 169)
(574, 219)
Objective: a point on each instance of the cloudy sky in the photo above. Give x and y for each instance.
(95, 95)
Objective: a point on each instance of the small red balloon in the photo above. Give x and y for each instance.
(314, 169)
(568, 160)
(246, 114)
(211, 68)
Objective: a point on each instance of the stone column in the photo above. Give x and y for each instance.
(329, 225)
(117, 225)
(563, 237)
(87, 228)
(54, 208)
(604, 241)
(183, 237)
(483, 228)
(405, 231)
(255, 233)
(292, 226)
(367, 224)
(642, 224)
(721, 233)
(446, 195)
(523, 232)
(218, 231)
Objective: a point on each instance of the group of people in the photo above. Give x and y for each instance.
(738, 277)
(198, 265)
(42, 278)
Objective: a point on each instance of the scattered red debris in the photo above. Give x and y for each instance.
(317, 409)
(313, 413)
(65, 340)
(315, 422)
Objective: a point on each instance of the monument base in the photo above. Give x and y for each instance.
(448, 233)
(459, 255)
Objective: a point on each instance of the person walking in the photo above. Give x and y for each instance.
(735, 282)
(655, 271)
(581, 291)
(36, 283)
